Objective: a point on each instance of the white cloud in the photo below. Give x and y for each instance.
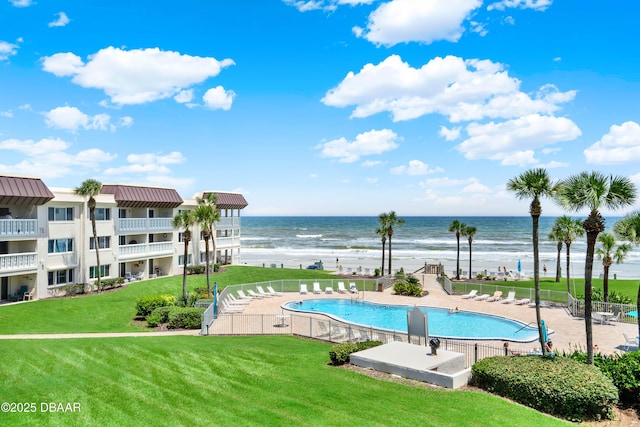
(8, 113)
(184, 96)
(620, 145)
(21, 3)
(219, 98)
(7, 49)
(449, 134)
(401, 21)
(371, 163)
(447, 182)
(369, 143)
(540, 5)
(415, 168)
(476, 188)
(513, 141)
(72, 119)
(461, 89)
(135, 76)
(152, 165)
(61, 20)
(325, 5)
(50, 157)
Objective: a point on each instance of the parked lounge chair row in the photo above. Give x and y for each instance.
(329, 289)
(497, 296)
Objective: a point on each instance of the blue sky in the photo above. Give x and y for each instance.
(326, 107)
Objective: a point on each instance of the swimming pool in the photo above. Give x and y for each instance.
(442, 323)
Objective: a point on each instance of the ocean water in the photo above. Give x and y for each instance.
(351, 243)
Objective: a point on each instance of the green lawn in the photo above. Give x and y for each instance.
(193, 381)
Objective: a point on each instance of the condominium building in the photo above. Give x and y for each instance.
(47, 241)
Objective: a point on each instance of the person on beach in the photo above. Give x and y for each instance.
(544, 268)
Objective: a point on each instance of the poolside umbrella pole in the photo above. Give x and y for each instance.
(215, 299)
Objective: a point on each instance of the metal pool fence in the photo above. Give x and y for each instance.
(328, 329)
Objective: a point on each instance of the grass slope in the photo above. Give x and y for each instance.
(193, 381)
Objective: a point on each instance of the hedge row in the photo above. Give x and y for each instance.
(558, 386)
(339, 353)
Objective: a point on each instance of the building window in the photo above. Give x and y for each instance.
(181, 260)
(60, 245)
(60, 214)
(104, 271)
(104, 242)
(180, 237)
(60, 277)
(102, 214)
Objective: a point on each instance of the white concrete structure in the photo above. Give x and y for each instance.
(47, 243)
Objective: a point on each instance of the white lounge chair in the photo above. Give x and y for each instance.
(629, 342)
(341, 288)
(303, 289)
(472, 294)
(523, 301)
(227, 308)
(273, 292)
(497, 296)
(234, 300)
(511, 297)
(352, 288)
(316, 288)
(253, 294)
(328, 290)
(242, 295)
(482, 297)
(261, 292)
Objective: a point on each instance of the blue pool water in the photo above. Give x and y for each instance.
(442, 323)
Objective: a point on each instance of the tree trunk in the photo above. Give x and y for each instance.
(568, 245)
(383, 252)
(92, 214)
(206, 257)
(389, 254)
(536, 282)
(588, 289)
(186, 237)
(638, 311)
(605, 285)
(558, 262)
(458, 258)
(469, 259)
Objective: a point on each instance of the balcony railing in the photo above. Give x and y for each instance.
(227, 242)
(18, 227)
(145, 249)
(18, 262)
(128, 225)
(228, 222)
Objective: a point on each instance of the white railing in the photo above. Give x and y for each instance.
(227, 242)
(18, 227)
(576, 308)
(228, 222)
(143, 249)
(14, 262)
(144, 224)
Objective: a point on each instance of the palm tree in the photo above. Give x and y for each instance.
(629, 228)
(556, 236)
(533, 184)
(604, 252)
(91, 188)
(570, 229)
(184, 219)
(383, 231)
(457, 227)
(469, 232)
(594, 190)
(206, 215)
(392, 221)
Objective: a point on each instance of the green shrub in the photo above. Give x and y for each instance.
(339, 353)
(376, 272)
(410, 286)
(195, 269)
(622, 369)
(185, 318)
(558, 386)
(188, 300)
(158, 316)
(146, 304)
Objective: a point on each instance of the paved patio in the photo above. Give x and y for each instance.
(569, 332)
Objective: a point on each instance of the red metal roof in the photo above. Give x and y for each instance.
(23, 191)
(229, 200)
(130, 196)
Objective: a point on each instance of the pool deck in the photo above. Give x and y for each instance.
(569, 332)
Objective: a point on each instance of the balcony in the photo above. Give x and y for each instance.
(18, 262)
(227, 242)
(228, 222)
(143, 225)
(145, 250)
(18, 227)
